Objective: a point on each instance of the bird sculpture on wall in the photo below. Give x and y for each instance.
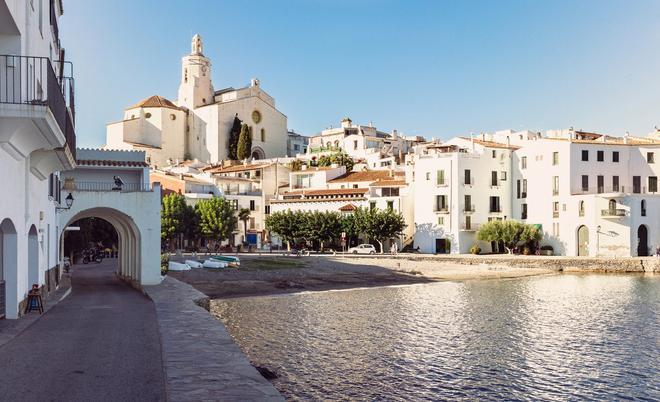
(118, 183)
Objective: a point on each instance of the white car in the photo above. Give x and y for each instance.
(363, 249)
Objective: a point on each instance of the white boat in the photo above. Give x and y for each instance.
(194, 264)
(214, 264)
(177, 266)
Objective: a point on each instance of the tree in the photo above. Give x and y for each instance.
(190, 229)
(351, 226)
(321, 227)
(172, 217)
(340, 158)
(287, 225)
(379, 225)
(234, 135)
(244, 143)
(510, 232)
(217, 219)
(244, 216)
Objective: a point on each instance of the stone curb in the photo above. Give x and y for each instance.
(200, 359)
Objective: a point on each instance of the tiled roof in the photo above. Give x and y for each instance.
(236, 168)
(369, 175)
(348, 208)
(182, 177)
(98, 162)
(336, 191)
(155, 101)
(341, 199)
(632, 141)
(388, 183)
(491, 144)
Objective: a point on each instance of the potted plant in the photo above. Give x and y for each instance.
(547, 250)
(475, 249)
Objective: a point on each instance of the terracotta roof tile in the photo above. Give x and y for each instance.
(236, 168)
(348, 208)
(388, 183)
(491, 144)
(369, 175)
(336, 191)
(155, 101)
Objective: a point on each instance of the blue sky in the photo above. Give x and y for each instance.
(432, 68)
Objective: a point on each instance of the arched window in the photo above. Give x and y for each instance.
(263, 135)
(612, 205)
(643, 207)
(581, 208)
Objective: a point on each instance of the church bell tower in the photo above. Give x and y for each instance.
(196, 88)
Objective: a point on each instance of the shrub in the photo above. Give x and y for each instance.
(475, 250)
(164, 262)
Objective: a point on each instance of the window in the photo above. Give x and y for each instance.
(172, 116)
(372, 205)
(518, 189)
(41, 18)
(355, 186)
(637, 184)
(493, 179)
(555, 158)
(267, 209)
(390, 205)
(355, 144)
(440, 203)
(523, 162)
(523, 212)
(495, 204)
(643, 207)
(615, 183)
(257, 173)
(428, 175)
(251, 133)
(585, 182)
(503, 176)
(524, 188)
(390, 192)
(600, 181)
(555, 185)
(581, 208)
(494, 153)
(263, 135)
(147, 115)
(468, 177)
(653, 184)
(555, 209)
(650, 157)
(468, 222)
(585, 155)
(440, 178)
(252, 206)
(296, 147)
(468, 207)
(441, 220)
(615, 156)
(600, 156)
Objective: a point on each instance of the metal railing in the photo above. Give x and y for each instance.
(468, 181)
(613, 212)
(106, 186)
(471, 227)
(468, 208)
(441, 209)
(555, 214)
(600, 190)
(30, 80)
(495, 210)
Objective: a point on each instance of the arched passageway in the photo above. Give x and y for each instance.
(33, 256)
(129, 239)
(642, 241)
(8, 270)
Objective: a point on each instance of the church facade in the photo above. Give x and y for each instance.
(197, 124)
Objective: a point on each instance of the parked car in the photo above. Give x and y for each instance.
(363, 249)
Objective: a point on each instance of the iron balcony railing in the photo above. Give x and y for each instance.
(442, 209)
(468, 208)
(470, 227)
(468, 181)
(613, 212)
(106, 186)
(30, 80)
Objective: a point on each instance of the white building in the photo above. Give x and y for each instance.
(296, 144)
(197, 125)
(37, 139)
(457, 186)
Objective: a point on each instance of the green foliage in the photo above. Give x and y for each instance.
(234, 135)
(244, 216)
(379, 225)
(286, 225)
(295, 165)
(340, 158)
(92, 230)
(321, 227)
(475, 249)
(510, 232)
(244, 143)
(171, 216)
(164, 263)
(217, 219)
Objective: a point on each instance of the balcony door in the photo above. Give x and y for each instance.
(583, 241)
(642, 241)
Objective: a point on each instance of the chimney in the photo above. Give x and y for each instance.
(508, 141)
(483, 136)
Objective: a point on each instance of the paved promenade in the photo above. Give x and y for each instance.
(99, 344)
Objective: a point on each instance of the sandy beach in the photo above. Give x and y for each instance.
(264, 275)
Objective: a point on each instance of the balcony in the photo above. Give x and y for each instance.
(555, 214)
(472, 227)
(468, 209)
(600, 190)
(495, 210)
(70, 185)
(469, 181)
(613, 212)
(37, 109)
(441, 209)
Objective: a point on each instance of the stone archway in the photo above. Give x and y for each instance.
(257, 153)
(129, 260)
(8, 270)
(33, 256)
(642, 241)
(582, 241)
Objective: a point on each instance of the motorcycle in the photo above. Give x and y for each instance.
(92, 255)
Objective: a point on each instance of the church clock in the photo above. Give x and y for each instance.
(256, 117)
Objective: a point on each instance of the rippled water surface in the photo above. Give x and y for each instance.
(574, 337)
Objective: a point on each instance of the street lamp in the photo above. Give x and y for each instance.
(69, 202)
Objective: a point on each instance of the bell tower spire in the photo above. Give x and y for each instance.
(196, 88)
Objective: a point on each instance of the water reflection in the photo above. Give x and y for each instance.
(543, 338)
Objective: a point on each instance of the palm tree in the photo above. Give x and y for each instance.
(244, 216)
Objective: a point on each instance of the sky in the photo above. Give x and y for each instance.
(431, 68)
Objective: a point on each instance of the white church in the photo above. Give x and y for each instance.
(197, 124)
